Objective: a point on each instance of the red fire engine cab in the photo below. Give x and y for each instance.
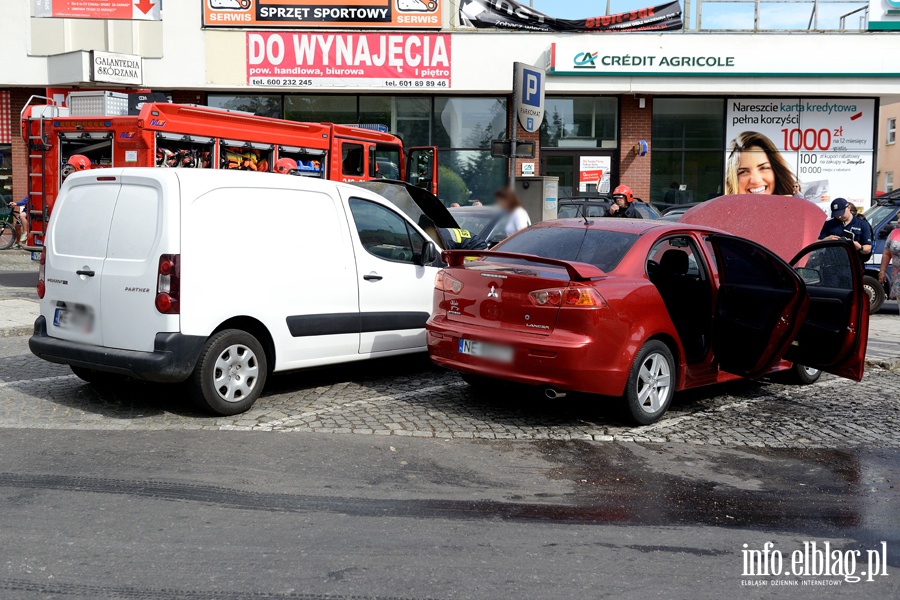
(187, 136)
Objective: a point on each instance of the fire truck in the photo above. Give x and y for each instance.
(165, 135)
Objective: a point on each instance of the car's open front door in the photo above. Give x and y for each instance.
(422, 168)
(835, 332)
(760, 305)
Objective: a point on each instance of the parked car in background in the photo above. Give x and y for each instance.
(882, 216)
(486, 222)
(673, 213)
(140, 277)
(572, 208)
(641, 309)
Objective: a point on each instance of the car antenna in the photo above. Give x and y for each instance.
(584, 216)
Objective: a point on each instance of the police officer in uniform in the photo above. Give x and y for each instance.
(844, 226)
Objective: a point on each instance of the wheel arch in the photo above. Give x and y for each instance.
(674, 347)
(255, 328)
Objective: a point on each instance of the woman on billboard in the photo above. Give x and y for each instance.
(755, 166)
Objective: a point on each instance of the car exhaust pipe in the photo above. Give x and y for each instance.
(554, 394)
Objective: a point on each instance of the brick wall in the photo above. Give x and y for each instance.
(635, 124)
(17, 99)
(524, 136)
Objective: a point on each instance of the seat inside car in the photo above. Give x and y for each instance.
(686, 292)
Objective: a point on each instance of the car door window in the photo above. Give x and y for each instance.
(832, 330)
(352, 159)
(384, 233)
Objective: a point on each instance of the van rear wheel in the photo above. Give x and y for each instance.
(230, 373)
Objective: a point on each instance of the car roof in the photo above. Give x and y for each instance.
(634, 226)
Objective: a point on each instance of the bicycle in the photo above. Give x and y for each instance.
(9, 221)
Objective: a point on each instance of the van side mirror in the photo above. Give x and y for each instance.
(428, 254)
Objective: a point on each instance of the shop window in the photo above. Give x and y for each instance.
(410, 118)
(262, 106)
(688, 150)
(467, 176)
(322, 109)
(585, 122)
(468, 122)
(891, 131)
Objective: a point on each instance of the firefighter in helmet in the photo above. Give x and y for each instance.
(76, 162)
(623, 203)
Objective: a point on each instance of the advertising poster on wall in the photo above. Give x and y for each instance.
(825, 145)
(371, 14)
(307, 60)
(143, 10)
(594, 174)
(509, 14)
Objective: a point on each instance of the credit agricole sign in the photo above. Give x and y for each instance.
(724, 56)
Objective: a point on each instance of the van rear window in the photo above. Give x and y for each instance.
(603, 249)
(81, 221)
(135, 223)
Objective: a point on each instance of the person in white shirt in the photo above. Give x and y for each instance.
(510, 203)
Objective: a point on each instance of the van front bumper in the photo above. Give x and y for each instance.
(172, 360)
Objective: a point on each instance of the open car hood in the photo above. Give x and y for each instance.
(413, 201)
(783, 224)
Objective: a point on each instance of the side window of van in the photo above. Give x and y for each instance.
(352, 159)
(384, 233)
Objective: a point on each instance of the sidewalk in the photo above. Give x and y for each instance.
(19, 308)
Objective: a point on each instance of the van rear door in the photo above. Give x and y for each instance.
(76, 253)
(139, 234)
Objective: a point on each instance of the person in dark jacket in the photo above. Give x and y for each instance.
(844, 226)
(623, 204)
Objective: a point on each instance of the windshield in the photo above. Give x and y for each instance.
(475, 222)
(603, 249)
(879, 213)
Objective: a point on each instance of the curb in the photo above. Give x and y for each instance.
(9, 332)
(890, 364)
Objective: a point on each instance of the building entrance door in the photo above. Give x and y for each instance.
(581, 172)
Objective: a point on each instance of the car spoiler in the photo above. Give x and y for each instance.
(577, 271)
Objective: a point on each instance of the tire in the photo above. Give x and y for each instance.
(875, 290)
(98, 378)
(651, 383)
(800, 375)
(230, 373)
(7, 235)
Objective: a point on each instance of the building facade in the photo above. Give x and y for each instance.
(660, 112)
(888, 148)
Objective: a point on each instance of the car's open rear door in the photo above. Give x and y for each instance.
(835, 332)
(760, 306)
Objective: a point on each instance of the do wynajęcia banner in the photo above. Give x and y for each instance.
(508, 14)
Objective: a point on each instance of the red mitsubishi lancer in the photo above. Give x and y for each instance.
(641, 309)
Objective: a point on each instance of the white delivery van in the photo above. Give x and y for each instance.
(219, 278)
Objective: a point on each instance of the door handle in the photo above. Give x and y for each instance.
(85, 272)
(373, 277)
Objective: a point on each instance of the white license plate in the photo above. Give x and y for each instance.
(73, 319)
(486, 350)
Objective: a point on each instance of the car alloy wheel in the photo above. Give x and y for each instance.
(654, 383)
(651, 383)
(236, 373)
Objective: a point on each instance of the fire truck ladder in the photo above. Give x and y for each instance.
(37, 164)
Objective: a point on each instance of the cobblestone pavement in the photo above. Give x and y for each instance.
(408, 397)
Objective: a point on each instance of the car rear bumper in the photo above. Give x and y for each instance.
(561, 361)
(172, 360)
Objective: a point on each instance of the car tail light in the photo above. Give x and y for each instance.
(447, 283)
(574, 295)
(168, 285)
(41, 286)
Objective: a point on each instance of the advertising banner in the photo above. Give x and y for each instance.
(380, 60)
(370, 14)
(883, 15)
(594, 174)
(111, 67)
(826, 145)
(509, 14)
(144, 10)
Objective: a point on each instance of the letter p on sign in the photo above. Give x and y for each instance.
(531, 91)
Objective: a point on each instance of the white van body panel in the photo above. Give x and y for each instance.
(105, 218)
